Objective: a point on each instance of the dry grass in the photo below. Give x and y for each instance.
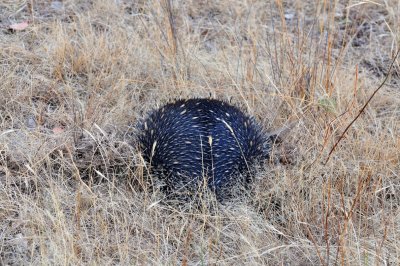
(94, 68)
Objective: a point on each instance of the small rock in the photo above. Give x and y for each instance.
(31, 123)
(289, 16)
(57, 5)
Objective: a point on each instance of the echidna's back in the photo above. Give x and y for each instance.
(187, 140)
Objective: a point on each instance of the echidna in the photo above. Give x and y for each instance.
(201, 142)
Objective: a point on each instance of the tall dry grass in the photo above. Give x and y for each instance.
(74, 83)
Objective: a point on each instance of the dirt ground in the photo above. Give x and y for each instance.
(76, 76)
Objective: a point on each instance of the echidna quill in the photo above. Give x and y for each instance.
(197, 143)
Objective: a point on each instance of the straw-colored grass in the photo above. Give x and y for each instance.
(73, 188)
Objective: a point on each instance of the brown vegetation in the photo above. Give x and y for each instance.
(75, 81)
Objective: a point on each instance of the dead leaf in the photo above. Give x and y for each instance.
(19, 26)
(58, 130)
